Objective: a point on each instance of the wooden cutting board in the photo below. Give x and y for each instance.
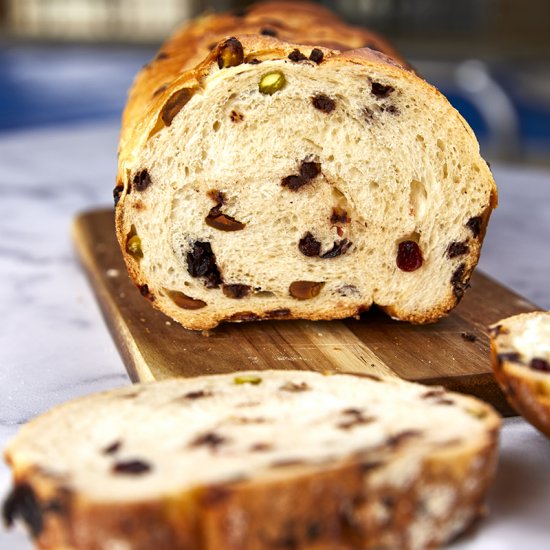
(453, 352)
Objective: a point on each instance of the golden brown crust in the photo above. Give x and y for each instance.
(187, 57)
(526, 390)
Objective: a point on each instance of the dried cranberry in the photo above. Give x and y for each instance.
(309, 246)
(539, 364)
(409, 256)
(323, 103)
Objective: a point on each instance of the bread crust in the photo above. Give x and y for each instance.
(339, 506)
(526, 390)
(184, 62)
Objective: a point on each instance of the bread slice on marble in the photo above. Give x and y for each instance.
(255, 461)
(277, 180)
(520, 351)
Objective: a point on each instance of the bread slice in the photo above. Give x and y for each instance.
(520, 352)
(279, 180)
(255, 461)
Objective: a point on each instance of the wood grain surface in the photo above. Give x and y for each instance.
(453, 352)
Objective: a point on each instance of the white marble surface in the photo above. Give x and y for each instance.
(55, 346)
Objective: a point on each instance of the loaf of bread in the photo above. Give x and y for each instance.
(255, 461)
(277, 176)
(520, 350)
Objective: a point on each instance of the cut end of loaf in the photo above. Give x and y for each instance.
(282, 181)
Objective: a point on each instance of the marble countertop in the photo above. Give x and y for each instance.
(54, 345)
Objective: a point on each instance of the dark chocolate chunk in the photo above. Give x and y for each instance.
(236, 291)
(468, 336)
(117, 191)
(112, 448)
(539, 364)
(474, 225)
(230, 53)
(131, 467)
(22, 503)
(210, 439)
(201, 262)
(309, 246)
(457, 248)
(295, 387)
(267, 31)
(316, 55)
(323, 103)
(338, 248)
(296, 55)
(381, 90)
(458, 282)
(141, 180)
(174, 104)
(310, 170)
(409, 256)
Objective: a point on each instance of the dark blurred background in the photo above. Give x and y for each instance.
(67, 61)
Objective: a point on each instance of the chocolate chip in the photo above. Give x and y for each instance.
(22, 503)
(210, 439)
(223, 222)
(131, 467)
(236, 291)
(198, 394)
(474, 225)
(295, 387)
(381, 90)
(267, 31)
(112, 448)
(146, 293)
(201, 262)
(456, 249)
(316, 55)
(230, 53)
(539, 364)
(174, 104)
(309, 246)
(468, 336)
(117, 191)
(305, 290)
(458, 283)
(235, 116)
(184, 301)
(296, 55)
(339, 216)
(323, 103)
(409, 256)
(338, 248)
